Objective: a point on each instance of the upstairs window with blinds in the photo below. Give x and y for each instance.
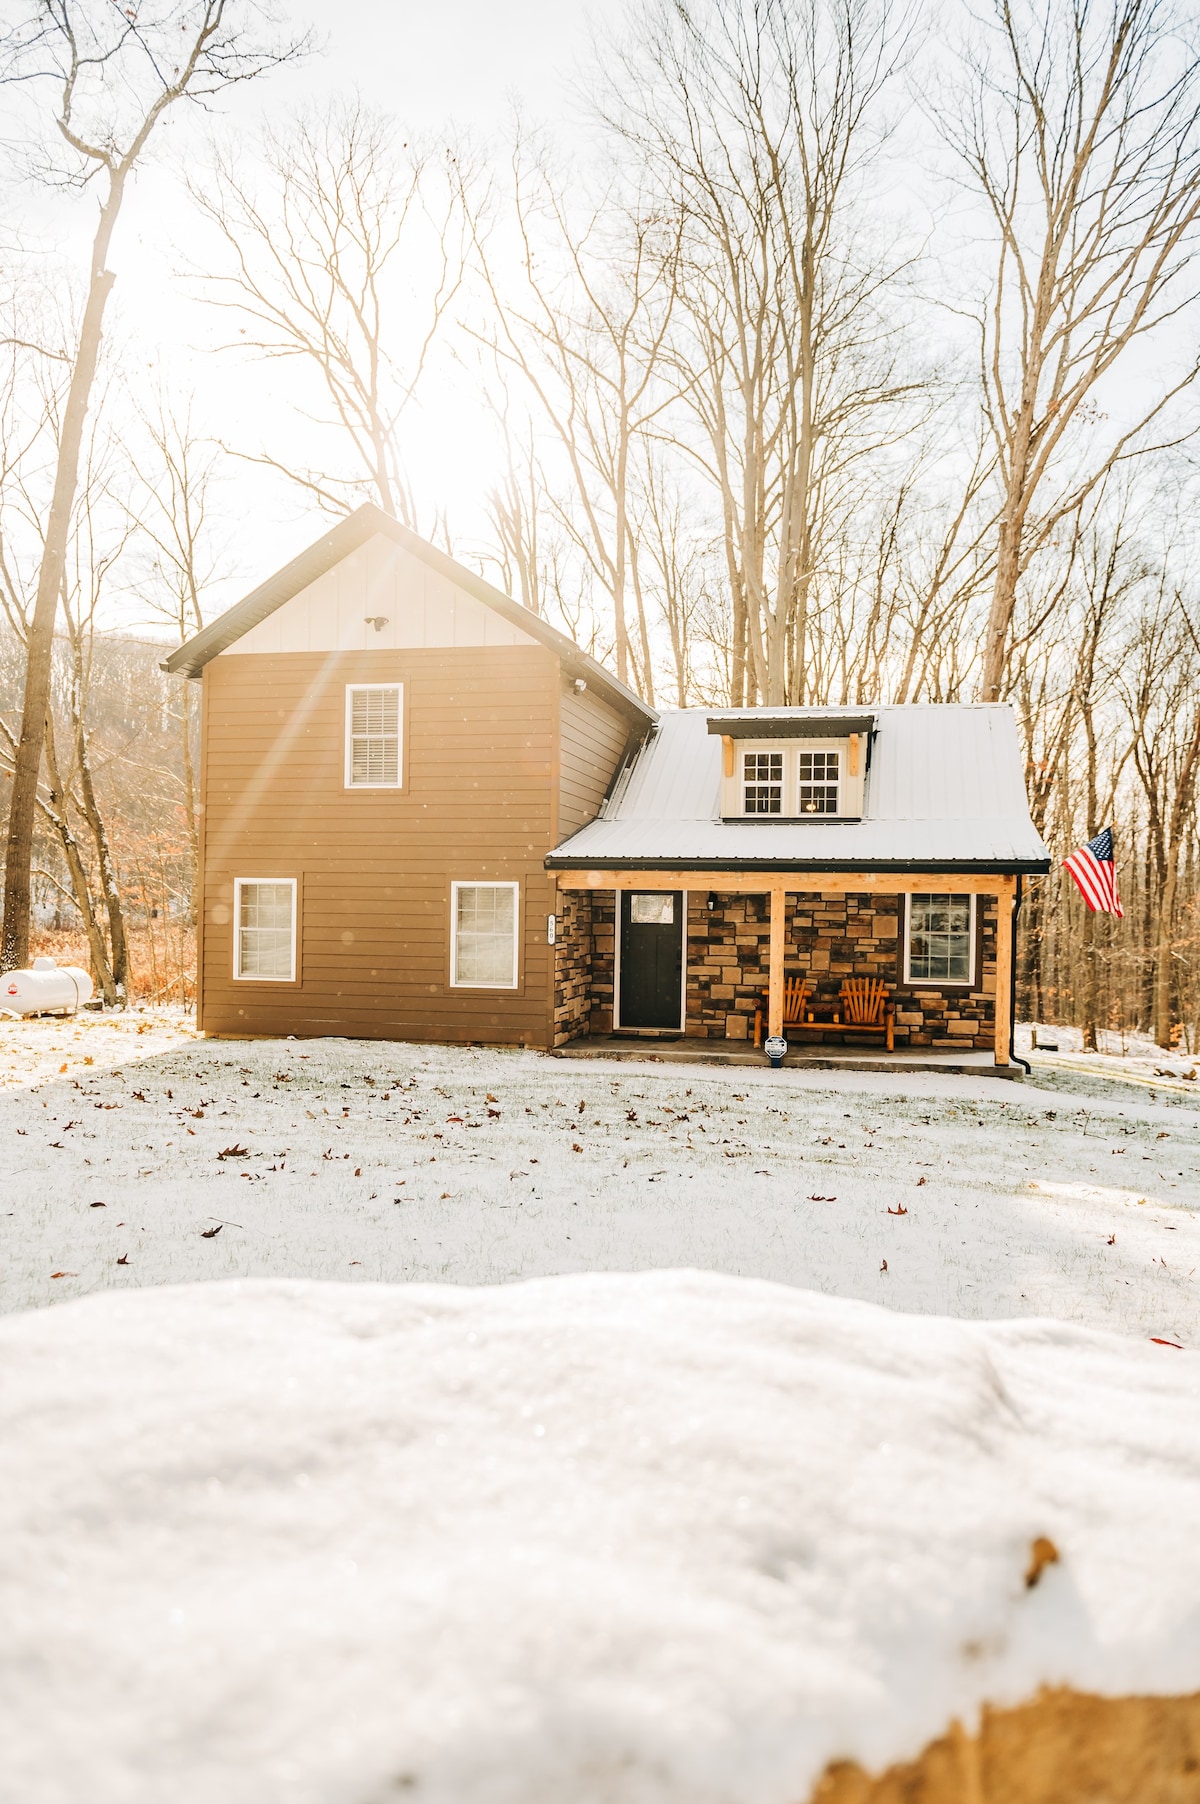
(373, 736)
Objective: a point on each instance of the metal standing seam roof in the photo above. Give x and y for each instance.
(364, 523)
(944, 791)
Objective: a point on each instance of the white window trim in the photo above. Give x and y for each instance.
(753, 749)
(940, 983)
(348, 768)
(239, 883)
(850, 788)
(842, 748)
(458, 983)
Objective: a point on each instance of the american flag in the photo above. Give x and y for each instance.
(1094, 871)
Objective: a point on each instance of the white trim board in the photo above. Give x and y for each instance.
(484, 883)
(239, 976)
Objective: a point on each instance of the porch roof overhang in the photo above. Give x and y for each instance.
(590, 854)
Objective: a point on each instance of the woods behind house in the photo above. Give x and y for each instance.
(836, 359)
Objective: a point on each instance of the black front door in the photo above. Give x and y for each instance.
(651, 958)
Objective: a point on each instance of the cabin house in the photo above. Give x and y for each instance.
(428, 815)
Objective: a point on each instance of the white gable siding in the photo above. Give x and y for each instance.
(423, 609)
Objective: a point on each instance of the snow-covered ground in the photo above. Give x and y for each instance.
(140, 1154)
(1127, 1058)
(666, 1539)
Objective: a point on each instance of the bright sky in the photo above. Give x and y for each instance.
(462, 64)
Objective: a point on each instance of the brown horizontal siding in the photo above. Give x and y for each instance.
(592, 737)
(476, 804)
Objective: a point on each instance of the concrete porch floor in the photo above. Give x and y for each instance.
(680, 1050)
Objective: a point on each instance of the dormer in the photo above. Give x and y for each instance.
(793, 764)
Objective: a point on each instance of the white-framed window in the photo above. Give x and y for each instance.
(264, 929)
(819, 776)
(373, 717)
(940, 939)
(797, 781)
(762, 782)
(484, 919)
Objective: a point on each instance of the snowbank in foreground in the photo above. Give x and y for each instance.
(657, 1538)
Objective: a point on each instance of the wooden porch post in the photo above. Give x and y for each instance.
(775, 967)
(1004, 965)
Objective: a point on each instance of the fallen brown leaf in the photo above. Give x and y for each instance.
(1042, 1553)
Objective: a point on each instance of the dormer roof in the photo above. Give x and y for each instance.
(791, 723)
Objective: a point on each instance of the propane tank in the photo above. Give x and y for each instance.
(47, 988)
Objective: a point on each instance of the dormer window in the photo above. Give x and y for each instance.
(762, 782)
(819, 782)
(793, 764)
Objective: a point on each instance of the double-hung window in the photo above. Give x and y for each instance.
(264, 929)
(941, 939)
(762, 782)
(373, 736)
(818, 774)
(483, 935)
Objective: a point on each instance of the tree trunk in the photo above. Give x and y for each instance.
(1032, 939)
(108, 877)
(1090, 1043)
(56, 811)
(1004, 601)
(1163, 956)
(14, 938)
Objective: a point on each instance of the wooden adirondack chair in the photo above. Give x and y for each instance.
(865, 1008)
(796, 992)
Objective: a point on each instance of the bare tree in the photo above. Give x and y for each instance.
(758, 126)
(325, 251)
(170, 507)
(1160, 681)
(584, 326)
(112, 75)
(1080, 130)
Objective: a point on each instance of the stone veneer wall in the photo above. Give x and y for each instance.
(727, 953)
(604, 961)
(829, 937)
(574, 955)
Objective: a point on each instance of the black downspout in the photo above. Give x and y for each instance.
(1012, 992)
